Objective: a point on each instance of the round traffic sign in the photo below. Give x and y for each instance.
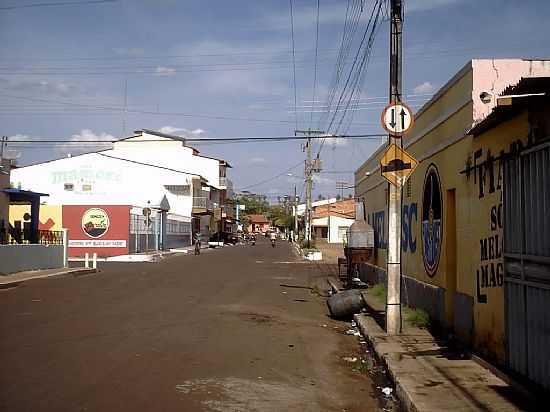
(397, 118)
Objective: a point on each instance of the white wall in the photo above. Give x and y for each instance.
(112, 181)
(170, 153)
(335, 222)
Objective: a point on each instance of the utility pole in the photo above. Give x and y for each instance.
(2, 144)
(295, 215)
(393, 299)
(310, 168)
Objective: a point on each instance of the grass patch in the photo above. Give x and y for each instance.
(378, 291)
(416, 317)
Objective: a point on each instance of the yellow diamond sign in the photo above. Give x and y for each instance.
(396, 165)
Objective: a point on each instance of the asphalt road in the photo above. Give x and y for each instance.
(215, 332)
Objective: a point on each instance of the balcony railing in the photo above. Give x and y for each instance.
(13, 236)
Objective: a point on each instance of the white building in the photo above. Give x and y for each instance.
(168, 187)
(331, 221)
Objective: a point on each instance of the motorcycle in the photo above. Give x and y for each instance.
(272, 242)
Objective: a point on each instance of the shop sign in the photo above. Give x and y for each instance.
(97, 243)
(95, 222)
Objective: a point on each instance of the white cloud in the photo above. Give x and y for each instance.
(87, 134)
(164, 71)
(181, 131)
(170, 129)
(257, 160)
(424, 88)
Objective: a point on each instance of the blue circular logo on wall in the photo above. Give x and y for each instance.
(432, 220)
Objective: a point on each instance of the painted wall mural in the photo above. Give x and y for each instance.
(432, 220)
(409, 216)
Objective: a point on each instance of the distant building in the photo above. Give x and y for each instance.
(331, 221)
(149, 192)
(258, 223)
(474, 239)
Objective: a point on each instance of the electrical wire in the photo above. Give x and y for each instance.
(271, 178)
(256, 139)
(155, 113)
(315, 66)
(58, 3)
(350, 27)
(293, 64)
(353, 70)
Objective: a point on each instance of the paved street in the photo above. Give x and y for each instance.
(215, 332)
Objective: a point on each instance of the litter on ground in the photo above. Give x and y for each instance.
(387, 391)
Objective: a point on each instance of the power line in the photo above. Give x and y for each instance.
(45, 69)
(350, 27)
(293, 63)
(353, 71)
(271, 178)
(167, 56)
(45, 141)
(59, 3)
(155, 113)
(315, 67)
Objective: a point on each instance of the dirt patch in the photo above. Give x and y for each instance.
(237, 394)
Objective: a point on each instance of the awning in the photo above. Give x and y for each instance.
(22, 196)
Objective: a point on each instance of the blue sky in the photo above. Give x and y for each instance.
(62, 64)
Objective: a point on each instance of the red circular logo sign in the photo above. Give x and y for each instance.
(95, 222)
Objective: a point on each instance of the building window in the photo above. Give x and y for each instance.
(68, 186)
(86, 188)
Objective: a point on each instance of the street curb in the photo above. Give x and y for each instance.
(375, 338)
(72, 271)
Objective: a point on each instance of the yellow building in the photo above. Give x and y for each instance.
(452, 214)
(50, 216)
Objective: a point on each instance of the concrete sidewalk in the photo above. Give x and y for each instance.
(15, 279)
(430, 376)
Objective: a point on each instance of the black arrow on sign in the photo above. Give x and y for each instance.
(392, 123)
(403, 114)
